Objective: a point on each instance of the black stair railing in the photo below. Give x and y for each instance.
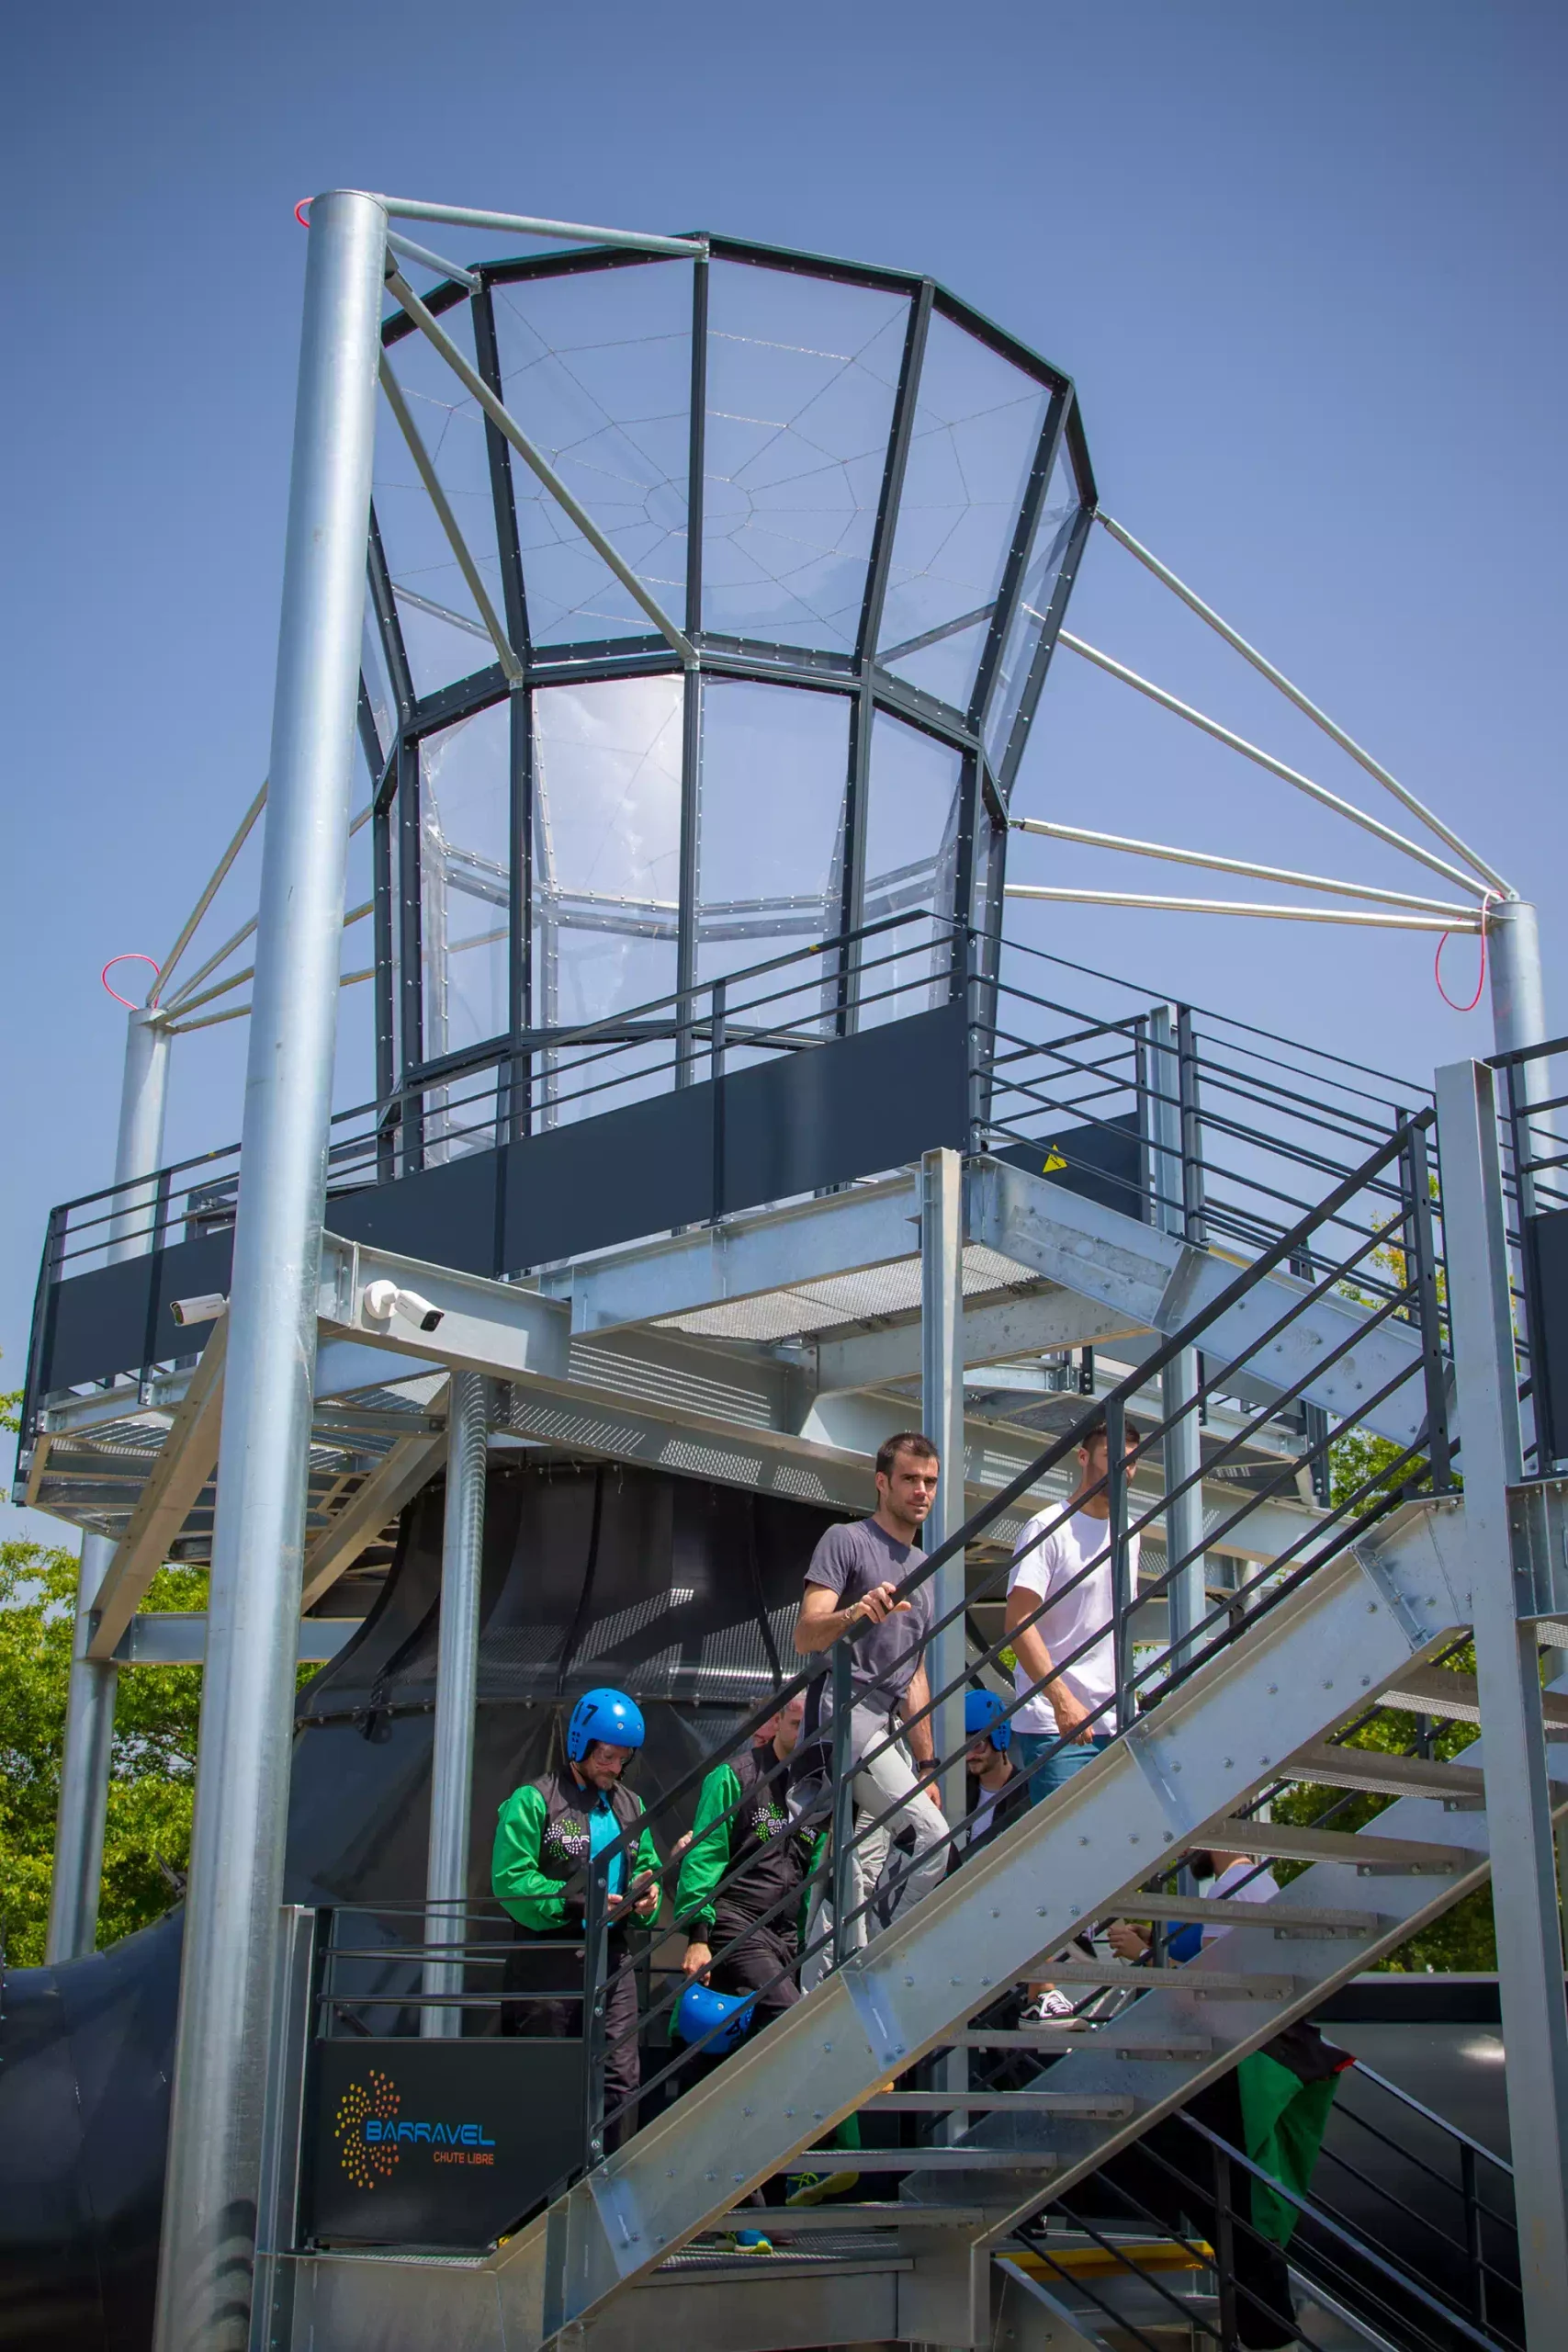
(839, 1922)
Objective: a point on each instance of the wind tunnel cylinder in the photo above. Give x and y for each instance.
(680, 1592)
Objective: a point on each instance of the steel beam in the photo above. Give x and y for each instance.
(178, 1637)
(1518, 1804)
(395, 1479)
(1158, 1281)
(869, 1226)
(223, 2033)
(180, 1470)
(456, 1673)
(1050, 1317)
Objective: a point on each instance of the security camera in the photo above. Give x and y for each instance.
(205, 1310)
(384, 1299)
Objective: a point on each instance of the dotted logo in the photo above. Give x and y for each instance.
(368, 2162)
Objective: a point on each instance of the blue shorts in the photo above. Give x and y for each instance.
(1030, 1746)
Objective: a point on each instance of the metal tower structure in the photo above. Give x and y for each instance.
(688, 630)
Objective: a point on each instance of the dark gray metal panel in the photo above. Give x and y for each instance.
(629, 1172)
(1546, 1256)
(447, 1216)
(800, 1123)
(115, 1318)
(852, 1108)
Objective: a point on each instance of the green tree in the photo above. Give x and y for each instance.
(147, 1829)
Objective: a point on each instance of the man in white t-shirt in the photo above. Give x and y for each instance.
(1065, 1674)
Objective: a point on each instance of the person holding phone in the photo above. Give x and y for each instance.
(546, 1835)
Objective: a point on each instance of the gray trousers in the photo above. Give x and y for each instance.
(885, 1784)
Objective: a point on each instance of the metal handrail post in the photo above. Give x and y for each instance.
(843, 1800)
(595, 1978)
(1121, 1593)
(718, 1004)
(1422, 1254)
(941, 1418)
(457, 1675)
(1192, 1126)
(1170, 1044)
(222, 2040)
(1518, 1801)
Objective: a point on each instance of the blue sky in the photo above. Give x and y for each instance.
(1305, 263)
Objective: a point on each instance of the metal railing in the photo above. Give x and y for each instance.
(1210, 1130)
(1189, 2189)
(839, 1912)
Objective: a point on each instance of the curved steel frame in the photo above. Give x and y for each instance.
(858, 675)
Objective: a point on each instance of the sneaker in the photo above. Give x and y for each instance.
(746, 2242)
(1053, 2007)
(814, 2187)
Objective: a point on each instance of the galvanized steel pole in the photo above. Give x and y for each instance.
(1185, 1597)
(242, 1794)
(456, 1677)
(941, 1418)
(90, 1695)
(77, 1875)
(1518, 1015)
(1518, 1808)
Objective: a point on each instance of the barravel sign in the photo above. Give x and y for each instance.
(436, 2143)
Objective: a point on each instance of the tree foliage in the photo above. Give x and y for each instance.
(146, 1830)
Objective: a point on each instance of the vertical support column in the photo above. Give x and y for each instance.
(941, 1416)
(1518, 1812)
(221, 2046)
(83, 1775)
(457, 1677)
(90, 1693)
(1182, 1447)
(143, 1098)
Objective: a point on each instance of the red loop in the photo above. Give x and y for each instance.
(131, 955)
(302, 212)
(1487, 898)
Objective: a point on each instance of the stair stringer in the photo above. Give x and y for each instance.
(1198, 1754)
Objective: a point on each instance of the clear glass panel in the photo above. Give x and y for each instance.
(464, 880)
(442, 632)
(596, 368)
(801, 378)
(977, 425)
(1047, 553)
(775, 762)
(606, 874)
(911, 851)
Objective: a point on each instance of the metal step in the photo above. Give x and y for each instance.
(1222, 1911)
(1287, 1842)
(923, 2159)
(1388, 1776)
(1212, 1986)
(998, 2102)
(1433, 1691)
(1051, 2040)
(792, 2220)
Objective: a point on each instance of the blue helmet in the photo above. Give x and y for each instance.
(603, 1715)
(724, 2017)
(982, 1712)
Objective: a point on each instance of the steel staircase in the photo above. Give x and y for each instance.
(619, 2253)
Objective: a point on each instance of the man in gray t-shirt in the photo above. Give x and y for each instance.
(857, 1579)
